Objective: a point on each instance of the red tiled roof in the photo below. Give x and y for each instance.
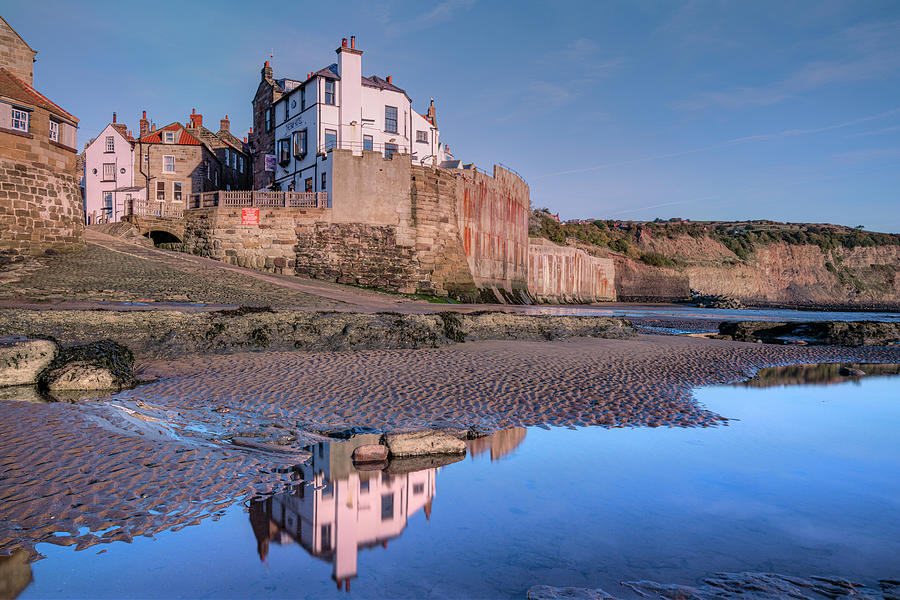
(16, 89)
(185, 138)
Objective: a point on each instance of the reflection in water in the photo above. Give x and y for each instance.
(821, 374)
(15, 574)
(499, 444)
(335, 509)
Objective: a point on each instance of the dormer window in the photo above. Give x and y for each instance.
(110, 144)
(169, 137)
(54, 131)
(329, 91)
(20, 120)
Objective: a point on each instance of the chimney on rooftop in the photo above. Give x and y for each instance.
(431, 113)
(196, 119)
(144, 125)
(389, 79)
(225, 125)
(267, 73)
(114, 117)
(353, 42)
(129, 133)
(153, 127)
(344, 43)
(251, 131)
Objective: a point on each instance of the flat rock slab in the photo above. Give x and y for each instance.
(81, 375)
(370, 453)
(22, 359)
(402, 466)
(548, 592)
(423, 443)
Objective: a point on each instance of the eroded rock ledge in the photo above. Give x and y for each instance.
(172, 333)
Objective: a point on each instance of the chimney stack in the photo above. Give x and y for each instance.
(153, 127)
(114, 117)
(144, 125)
(267, 73)
(389, 79)
(225, 125)
(129, 133)
(353, 42)
(196, 119)
(251, 131)
(431, 113)
(344, 43)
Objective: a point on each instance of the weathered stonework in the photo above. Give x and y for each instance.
(15, 54)
(40, 210)
(563, 274)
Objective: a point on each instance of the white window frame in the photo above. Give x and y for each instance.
(395, 119)
(20, 119)
(161, 189)
(108, 206)
(176, 191)
(166, 158)
(54, 131)
(111, 169)
(421, 136)
(169, 137)
(110, 144)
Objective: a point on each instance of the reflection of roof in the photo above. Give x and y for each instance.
(185, 138)
(15, 89)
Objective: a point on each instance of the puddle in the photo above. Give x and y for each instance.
(804, 481)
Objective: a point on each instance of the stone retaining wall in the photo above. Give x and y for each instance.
(40, 210)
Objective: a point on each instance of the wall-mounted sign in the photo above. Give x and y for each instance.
(249, 216)
(270, 162)
(296, 123)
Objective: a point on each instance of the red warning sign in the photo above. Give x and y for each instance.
(249, 216)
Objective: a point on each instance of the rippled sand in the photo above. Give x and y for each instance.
(162, 456)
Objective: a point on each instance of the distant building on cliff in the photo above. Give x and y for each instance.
(40, 205)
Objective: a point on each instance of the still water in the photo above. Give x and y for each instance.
(693, 312)
(805, 480)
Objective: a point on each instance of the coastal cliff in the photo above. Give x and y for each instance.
(758, 262)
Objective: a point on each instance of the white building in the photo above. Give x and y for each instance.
(337, 107)
(109, 175)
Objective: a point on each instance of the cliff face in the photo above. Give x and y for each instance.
(782, 273)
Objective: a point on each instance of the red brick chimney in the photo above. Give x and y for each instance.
(196, 119)
(225, 125)
(145, 125)
(114, 117)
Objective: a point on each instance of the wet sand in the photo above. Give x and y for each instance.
(161, 456)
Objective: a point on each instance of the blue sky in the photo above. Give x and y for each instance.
(640, 109)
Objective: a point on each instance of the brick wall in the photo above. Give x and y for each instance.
(189, 170)
(15, 54)
(562, 274)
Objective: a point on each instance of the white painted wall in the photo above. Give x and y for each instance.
(95, 187)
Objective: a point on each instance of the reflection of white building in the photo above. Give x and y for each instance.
(338, 510)
(338, 107)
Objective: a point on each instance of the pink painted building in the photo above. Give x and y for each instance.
(109, 186)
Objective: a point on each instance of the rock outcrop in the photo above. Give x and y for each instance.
(103, 365)
(830, 333)
(22, 359)
(173, 333)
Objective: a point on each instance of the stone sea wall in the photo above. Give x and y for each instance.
(563, 274)
(637, 282)
(40, 209)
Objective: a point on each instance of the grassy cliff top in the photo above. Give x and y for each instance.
(740, 237)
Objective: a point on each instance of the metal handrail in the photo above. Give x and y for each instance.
(259, 198)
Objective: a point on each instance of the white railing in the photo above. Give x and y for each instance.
(156, 208)
(264, 199)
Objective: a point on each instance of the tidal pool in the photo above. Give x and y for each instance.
(805, 480)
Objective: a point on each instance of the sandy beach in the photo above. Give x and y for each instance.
(164, 454)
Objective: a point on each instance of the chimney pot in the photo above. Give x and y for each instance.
(344, 43)
(114, 117)
(267, 63)
(353, 41)
(388, 78)
(251, 131)
(144, 115)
